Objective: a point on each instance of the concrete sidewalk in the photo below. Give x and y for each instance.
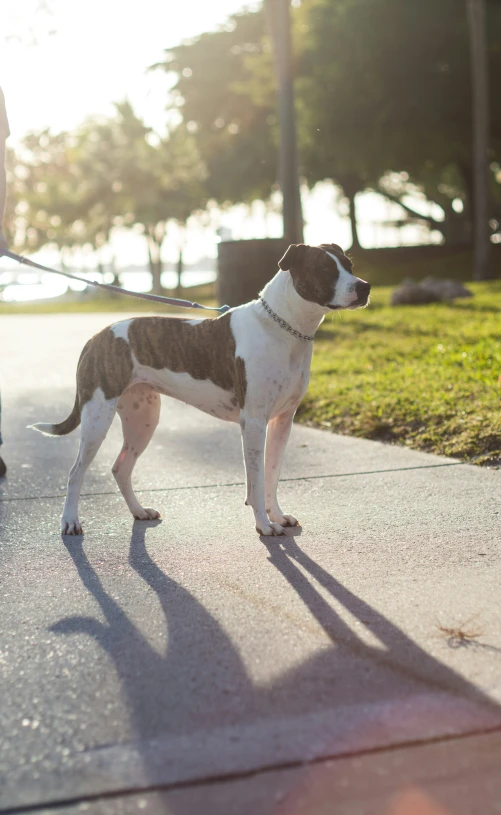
(308, 674)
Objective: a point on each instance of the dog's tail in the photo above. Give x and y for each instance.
(62, 428)
(73, 419)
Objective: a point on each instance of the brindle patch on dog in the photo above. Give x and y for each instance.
(205, 350)
(240, 381)
(105, 363)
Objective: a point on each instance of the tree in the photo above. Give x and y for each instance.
(224, 90)
(44, 200)
(393, 94)
(72, 189)
(383, 89)
(161, 179)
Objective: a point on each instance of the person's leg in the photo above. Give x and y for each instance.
(3, 468)
(4, 133)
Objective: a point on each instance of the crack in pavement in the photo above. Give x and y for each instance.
(240, 483)
(217, 778)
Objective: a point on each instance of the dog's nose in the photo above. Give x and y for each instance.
(362, 289)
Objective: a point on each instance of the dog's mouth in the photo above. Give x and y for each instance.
(361, 302)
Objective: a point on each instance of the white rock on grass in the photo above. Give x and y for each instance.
(429, 290)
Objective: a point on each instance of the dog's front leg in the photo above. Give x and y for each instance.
(254, 438)
(279, 430)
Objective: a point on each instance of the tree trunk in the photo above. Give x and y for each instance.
(113, 270)
(480, 116)
(155, 263)
(466, 171)
(351, 186)
(279, 20)
(179, 270)
(150, 259)
(62, 258)
(157, 277)
(355, 242)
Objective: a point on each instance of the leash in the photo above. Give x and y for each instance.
(169, 301)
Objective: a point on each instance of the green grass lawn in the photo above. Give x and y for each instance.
(425, 377)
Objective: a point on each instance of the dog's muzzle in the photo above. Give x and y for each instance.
(362, 289)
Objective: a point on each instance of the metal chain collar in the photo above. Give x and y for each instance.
(283, 324)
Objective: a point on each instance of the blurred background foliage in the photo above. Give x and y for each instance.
(383, 102)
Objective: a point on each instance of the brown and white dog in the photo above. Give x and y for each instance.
(250, 366)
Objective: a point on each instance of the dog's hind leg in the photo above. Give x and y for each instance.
(279, 430)
(97, 416)
(139, 410)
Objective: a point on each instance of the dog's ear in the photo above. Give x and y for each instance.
(293, 256)
(331, 246)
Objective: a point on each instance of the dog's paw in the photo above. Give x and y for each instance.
(288, 520)
(284, 520)
(69, 527)
(147, 514)
(270, 529)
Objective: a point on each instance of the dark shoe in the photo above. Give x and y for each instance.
(3, 467)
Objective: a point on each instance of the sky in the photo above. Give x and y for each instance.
(62, 61)
(98, 53)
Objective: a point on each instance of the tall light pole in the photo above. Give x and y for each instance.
(480, 110)
(279, 21)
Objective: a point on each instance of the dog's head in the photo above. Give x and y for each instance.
(324, 275)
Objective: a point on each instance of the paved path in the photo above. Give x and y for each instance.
(309, 674)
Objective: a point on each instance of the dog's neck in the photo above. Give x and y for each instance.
(283, 298)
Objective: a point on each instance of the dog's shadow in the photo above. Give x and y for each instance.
(394, 654)
(200, 679)
(155, 683)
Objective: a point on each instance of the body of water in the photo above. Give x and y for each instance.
(23, 286)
